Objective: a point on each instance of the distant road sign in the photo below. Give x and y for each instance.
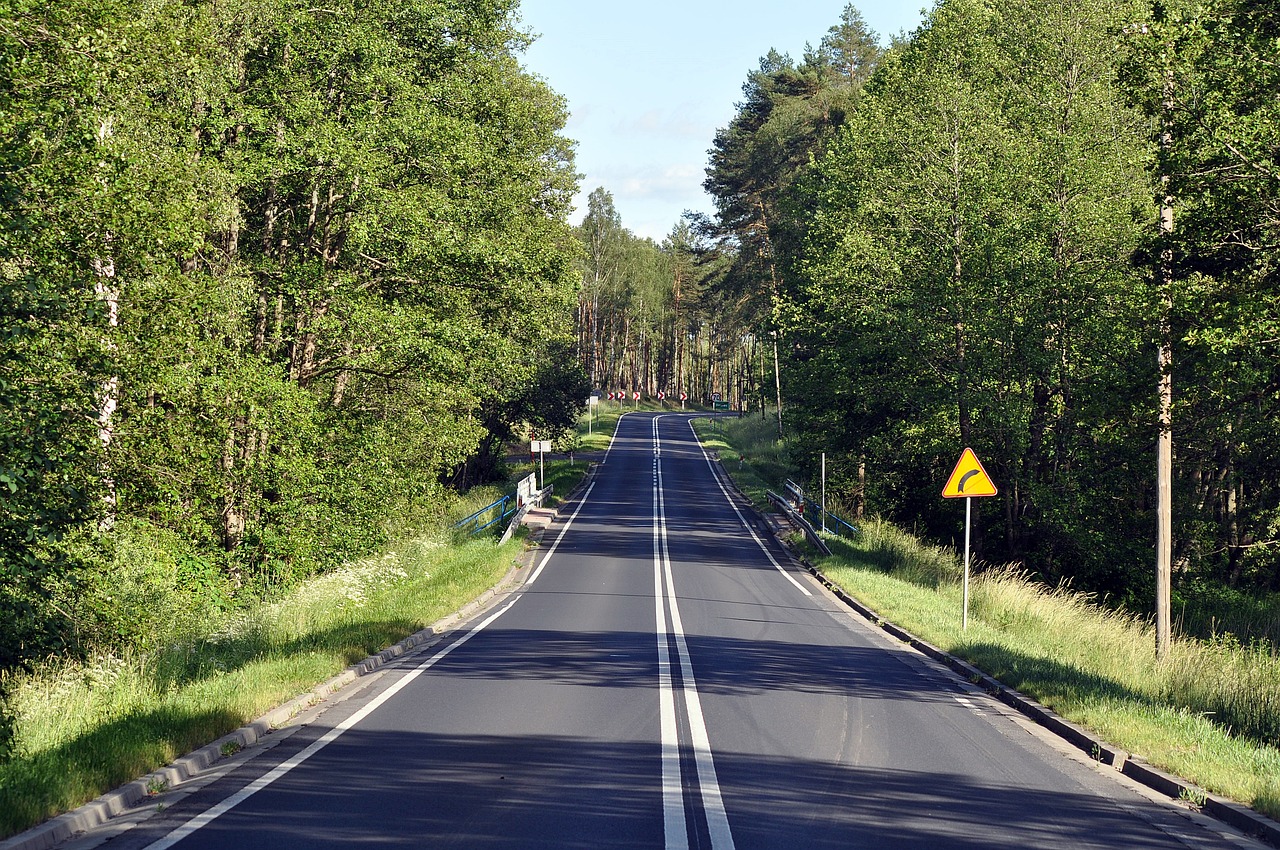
(715, 396)
(540, 446)
(661, 396)
(721, 405)
(635, 396)
(684, 396)
(968, 479)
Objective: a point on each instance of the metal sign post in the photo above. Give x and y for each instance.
(968, 516)
(968, 480)
(541, 447)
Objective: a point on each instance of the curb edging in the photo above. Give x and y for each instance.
(1230, 812)
(114, 803)
(1136, 768)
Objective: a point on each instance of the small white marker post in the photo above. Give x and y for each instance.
(824, 492)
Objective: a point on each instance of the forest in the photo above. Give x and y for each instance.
(279, 282)
(273, 277)
(1046, 231)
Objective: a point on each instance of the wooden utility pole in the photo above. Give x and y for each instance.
(1164, 391)
(777, 381)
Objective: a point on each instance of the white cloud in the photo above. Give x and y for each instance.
(689, 121)
(649, 197)
(658, 182)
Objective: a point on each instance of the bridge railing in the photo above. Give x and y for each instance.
(488, 516)
(835, 522)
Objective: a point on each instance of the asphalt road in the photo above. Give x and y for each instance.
(665, 678)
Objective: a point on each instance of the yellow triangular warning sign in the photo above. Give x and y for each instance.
(968, 479)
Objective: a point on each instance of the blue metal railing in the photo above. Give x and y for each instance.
(813, 513)
(502, 509)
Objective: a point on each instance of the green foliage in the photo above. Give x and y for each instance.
(52, 324)
(1205, 75)
(267, 271)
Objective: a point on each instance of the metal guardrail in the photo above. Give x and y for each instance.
(506, 506)
(814, 515)
(527, 504)
(799, 520)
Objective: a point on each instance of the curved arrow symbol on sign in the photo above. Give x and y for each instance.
(964, 480)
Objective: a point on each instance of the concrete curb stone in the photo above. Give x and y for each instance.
(1228, 811)
(120, 800)
(114, 803)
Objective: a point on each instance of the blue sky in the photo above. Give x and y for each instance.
(648, 84)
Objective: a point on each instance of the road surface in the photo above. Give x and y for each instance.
(665, 678)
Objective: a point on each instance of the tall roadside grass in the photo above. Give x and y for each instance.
(749, 448)
(84, 727)
(1210, 712)
(604, 421)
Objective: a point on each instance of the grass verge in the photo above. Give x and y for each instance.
(1209, 713)
(750, 450)
(83, 728)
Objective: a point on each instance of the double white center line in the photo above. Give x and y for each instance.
(705, 785)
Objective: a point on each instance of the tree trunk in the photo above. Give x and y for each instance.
(109, 393)
(777, 382)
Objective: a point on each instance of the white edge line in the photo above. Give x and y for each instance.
(581, 504)
(708, 783)
(613, 439)
(743, 519)
(329, 737)
(675, 830)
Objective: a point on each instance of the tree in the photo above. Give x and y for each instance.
(268, 263)
(1205, 76)
(53, 360)
(850, 49)
(757, 162)
(966, 276)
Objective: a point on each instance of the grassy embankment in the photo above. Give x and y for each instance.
(1210, 713)
(85, 727)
